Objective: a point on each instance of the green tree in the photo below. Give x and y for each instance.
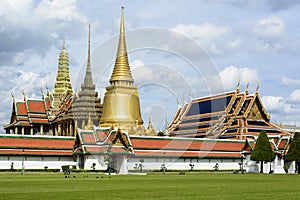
(160, 133)
(262, 150)
(294, 151)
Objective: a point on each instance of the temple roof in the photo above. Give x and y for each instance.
(35, 145)
(102, 141)
(30, 111)
(227, 115)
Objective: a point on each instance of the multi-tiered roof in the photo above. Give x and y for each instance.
(229, 115)
(63, 84)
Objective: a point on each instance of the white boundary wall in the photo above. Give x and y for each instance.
(35, 162)
(183, 164)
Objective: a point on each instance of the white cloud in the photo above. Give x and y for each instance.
(231, 75)
(295, 96)
(207, 34)
(271, 27)
(235, 43)
(283, 109)
(66, 10)
(274, 103)
(290, 81)
(136, 64)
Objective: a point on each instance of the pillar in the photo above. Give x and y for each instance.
(31, 130)
(71, 129)
(41, 129)
(75, 127)
(59, 129)
(22, 130)
(56, 130)
(83, 124)
(16, 130)
(50, 131)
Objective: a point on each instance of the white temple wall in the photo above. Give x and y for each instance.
(276, 166)
(183, 164)
(99, 160)
(35, 162)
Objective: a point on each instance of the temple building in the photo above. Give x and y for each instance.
(230, 115)
(61, 112)
(121, 106)
(216, 131)
(30, 116)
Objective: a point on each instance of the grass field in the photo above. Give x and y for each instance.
(170, 186)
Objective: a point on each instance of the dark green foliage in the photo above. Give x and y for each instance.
(262, 150)
(160, 133)
(294, 151)
(66, 169)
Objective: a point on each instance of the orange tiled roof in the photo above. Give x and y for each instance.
(88, 138)
(34, 152)
(104, 149)
(283, 143)
(35, 142)
(189, 154)
(36, 106)
(188, 145)
(21, 108)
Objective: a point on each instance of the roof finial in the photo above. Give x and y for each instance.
(190, 95)
(177, 101)
(122, 21)
(89, 45)
(246, 90)
(64, 45)
(12, 95)
(257, 87)
(24, 95)
(238, 86)
(42, 93)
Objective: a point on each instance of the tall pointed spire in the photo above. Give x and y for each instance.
(121, 104)
(63, 84)
(87, 108)
(121, 72)
(88, 80)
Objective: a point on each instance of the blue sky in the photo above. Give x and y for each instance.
(251, 41)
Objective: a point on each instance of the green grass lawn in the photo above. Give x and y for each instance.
(170, 186)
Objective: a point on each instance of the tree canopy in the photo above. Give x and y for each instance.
(262, 150)
(294, 150)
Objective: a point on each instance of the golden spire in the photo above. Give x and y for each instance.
(121, 104)
(63, 84)
(121, 73)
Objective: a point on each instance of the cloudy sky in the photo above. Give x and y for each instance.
(177, 50)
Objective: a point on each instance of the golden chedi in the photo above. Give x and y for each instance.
(121, 105)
